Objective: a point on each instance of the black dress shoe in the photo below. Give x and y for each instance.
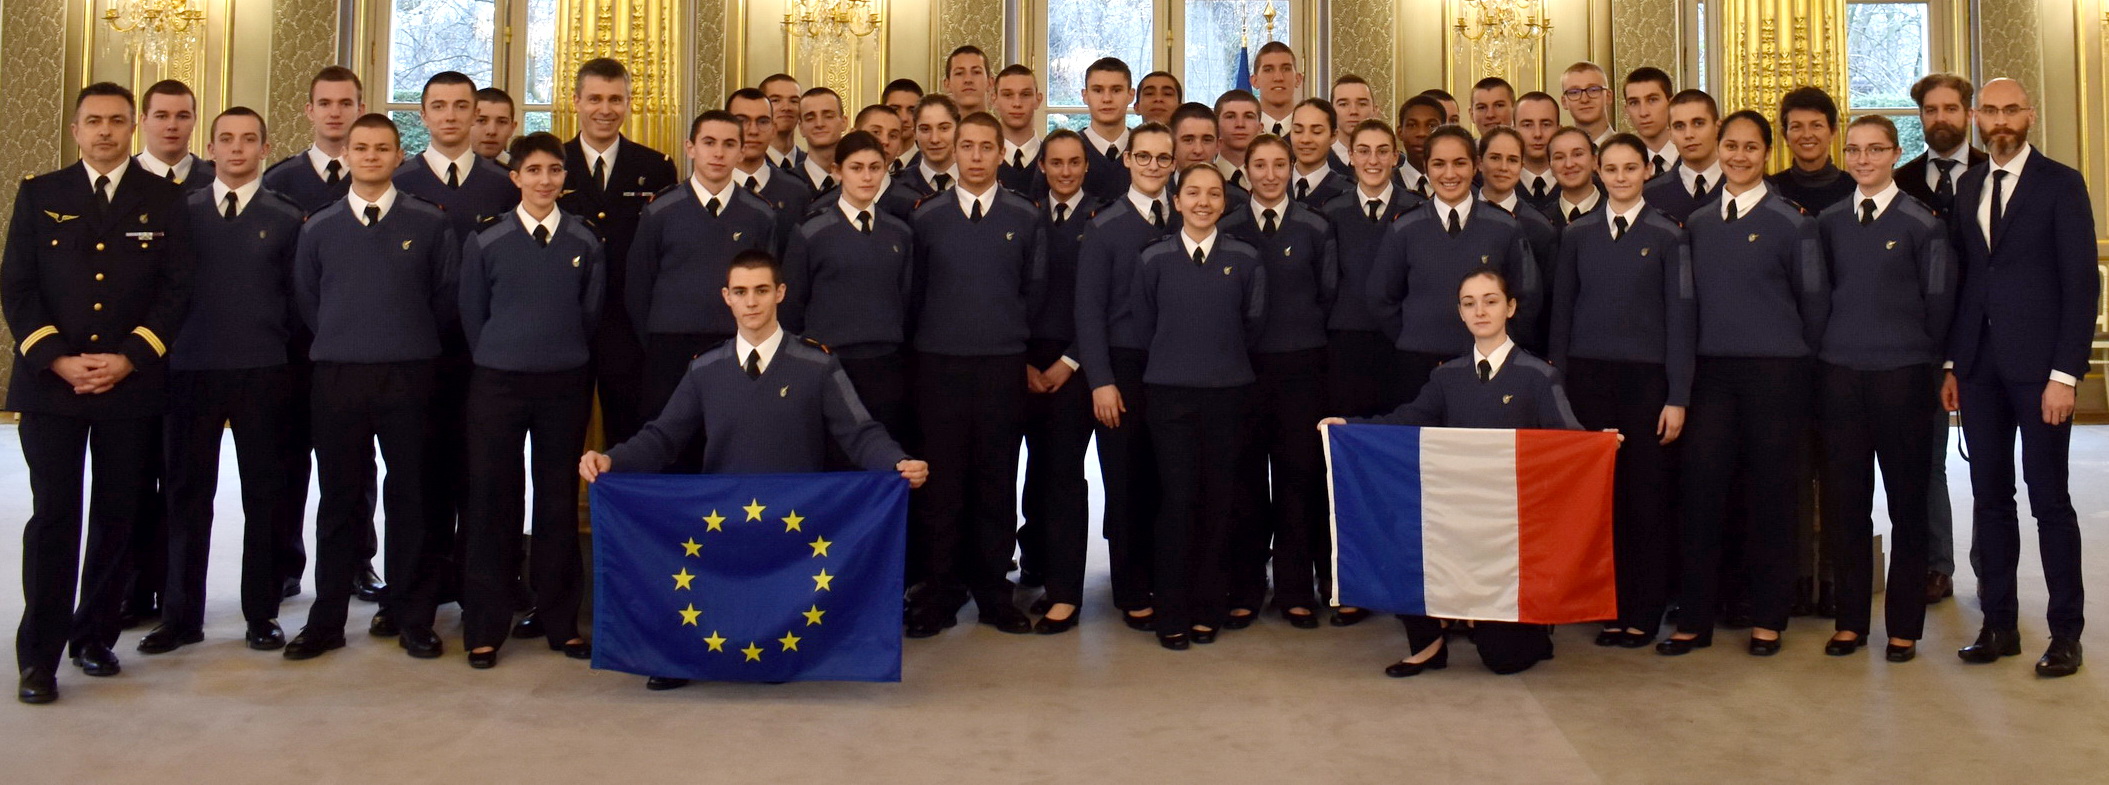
(1047, 626)
(1610, 637)
(309, 645)
(582, 650)
(289, 589)
(265, 636)
(2061, 659)
(1203, 636)
(527, 627)
(1403, 669)
(1841, 648)
(1007, 619)
(382, 626)
(1763, 648)
(1349, 617)
(164, 640)
(1895, 653)
(1040, 607)
(928, 621)
(369, 586)
(1938, 587)
(1678, 647)
(1635, 640)
(1145, 623)
(663, 683)
(1991, 645)
(422, 644)
(97, 661)
(483, 660)
(1176, 641)
(38, 685)
(1302, 621)
(1236, 622)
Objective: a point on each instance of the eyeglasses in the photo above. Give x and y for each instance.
(1854, 151)
(1592, 91)
(1161, 159)
(2010, 110)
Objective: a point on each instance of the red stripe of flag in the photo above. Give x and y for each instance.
(1563, 511)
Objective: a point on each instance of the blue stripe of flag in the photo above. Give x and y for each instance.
(1376, 477)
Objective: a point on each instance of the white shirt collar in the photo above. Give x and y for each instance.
(1588, 203)
(987, 200)
(1142, 203)
(1207, 245)
(781, 158)
(1498, 359)
(1409, 175)
(1099, 143)
(1508, 203)
(242, 195)
(154, 165)
(1340, 149)
(1383, 197)
(1632, 216)
(1444, 209)
(1531, 180)
(930, 175)
(595, 155)
(1074, 201)
(528, 222)
(1313, 178)
(703, 197)
(438, 162)
(817, 173)
(1712, 175)
(1960, 153)
(505, 158)
(358, 205)
(1031, 149)
(321, 162)
(2012, 167)
(1882, 199)
(767, 348)
(850, 212)
(116, 175)
(1232, 173)
(1268, 123)
(1743, 203)
(760, 174)
(1281, 211)
(1668, 152)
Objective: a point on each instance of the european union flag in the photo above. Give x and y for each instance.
(754, 577)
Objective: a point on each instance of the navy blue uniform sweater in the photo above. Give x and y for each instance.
(897, 201)
(1763, 290)
(1303, 273)
(1523, 393)
(1105, 280)
(1892, 285)
(295, 179)
(377, 294)
(680, 256)
(1203, 320)
(1055, 318)
(527, 307)
(486, 190)
(1666, 192)
(1355, 242)
(977, 283)
(849, 289)
(1629, 300)
(241, 298)
(1413, 282)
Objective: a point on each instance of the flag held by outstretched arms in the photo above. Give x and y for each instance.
(1473, 523)
(783, 577)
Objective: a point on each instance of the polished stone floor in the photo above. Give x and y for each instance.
(1101, 704)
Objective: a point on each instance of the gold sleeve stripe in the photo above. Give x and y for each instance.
(152, 340)
(36, 335)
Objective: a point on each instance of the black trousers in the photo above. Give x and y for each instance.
(1055, 540)
(256, 404)
(1504, 647)
(1629, 396)
(1414, 369)
(1748, 419)
(299, 443)
(55, 447)
(882, 380)
(1282, 474)
(1127, 464)
(1995, 409)
(1364, 374)
(548, 410)
(972, 412)
(667, 356)
(356, 405)
(1870, 417)
(1198, 440)
(446, 479)
(147, 553)
(618, 375)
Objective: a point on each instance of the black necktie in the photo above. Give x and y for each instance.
(1537, 189)
(894, 168)
(944, 181)
(1574, 214)
(826, 182)
(754, 363)
(1699, 187)
(1998, 197)
(373, 214)
(1660, 164)
(1731, 212)
(1420, 185)
(1199, 258)
(1018, 159)
(171, 175)
(1061, 212)
(864, 221)
(1303, 189)
(1944, 190)
(1618, 228)
(600, 173)
(542, 235)
(1157, 214)
(1867, 211)
(1376, 208)
(1267, 221)
(102, 191)
(336, 173)
(1112, 153)
(453, 175)
(975, 214)
(1237, 178)
(754, 184)
(713, 206)
(1486, 370)
(1277, 129)
(232, 203)
(1454, 226)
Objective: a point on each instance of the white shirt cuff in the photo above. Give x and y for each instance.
(2064, 378)
(1074, 365)
(1948, 366)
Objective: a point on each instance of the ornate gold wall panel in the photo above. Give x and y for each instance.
(1363, 45)
(33, 97)
(1771, 46)
(645, 36)
(961, 22)
(717, 26)
(1644, 32)
(303, 39)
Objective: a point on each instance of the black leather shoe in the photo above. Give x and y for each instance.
(1938, 587)
(1302, 621)
(527, 627)
(1610, 636)
(1895, 653)
(1233, 621)
(1403, 669)
(369, 586)
(1991, 645)
(663, 683)
(97, 661)
(2061, 659)
(1349, 617)
(1047, 626)
(1175, 641)
(582, 650)
(265, 636)
(926, 622)
(38, 685)
(1840, 648)
(309, 645)
(483, 661)
(1203, 637)
(1007, 619)
(164, 640)
(1145, 623)
(1678, 647)
(382, 626)
(422, 644)
(1764, 648)
(1635, 640)
(289, 589)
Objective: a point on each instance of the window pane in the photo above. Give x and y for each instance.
(1077, 120)
(1081, 31)
(1885, 52)
(415, 138)
(541, 51)
(532, 121)
(1214, 31)
(1911, 136)
(430, 36)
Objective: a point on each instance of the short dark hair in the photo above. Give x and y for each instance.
(1539, 95)
(1586, 138)
(336, 73)
(1235, 97)
(1492, 82)
(494, 95)
(710, 116)
(950, 106)
(1650, 74)
(1930, 82)
(1809, 99)
(263, 132)
(602, 68)
(1148, 128)
(880, 108)
(104, 88)
(1490, 273)
(744, 94)
(1888, 126)
(774, 78)
(174, 87)
(1061, 135)
(1452, 132)
(857, 142)
(1696, 96)
(1178, 88)
(1629, 141)
(1424, 101)
(755, 259)
(1110, 64)
(984, 120)
(377, 120)
(1190, 169)
(1752, 116)
(1273, 47)
(966, 49)
(1269, 140)
(1439, 94)
(1017, 69)
(1191, 111)
(445, 78)
(1332, 116)
(1500, 131)
(516, 153)
(829, 92)
(900, 85)
(1373, 124)
(1351, 79)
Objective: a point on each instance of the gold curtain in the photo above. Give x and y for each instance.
(1772, 46)
(644, 35)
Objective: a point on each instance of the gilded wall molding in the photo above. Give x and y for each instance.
(714, 29)
(961, 22)
(1362, 45)
(1644, 32)
(303, 39)
(34, 95)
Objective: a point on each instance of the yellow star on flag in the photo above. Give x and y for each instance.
(754, 509)
(714, 522)
(716, 641)
(692, 548)
(682, 578)
(791, 521)
(820, 582)
(789, 641)
(753, 652)
(813, 616)
(819, 546)
(689, 614)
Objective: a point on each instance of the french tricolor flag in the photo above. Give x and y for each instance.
(1473, 523)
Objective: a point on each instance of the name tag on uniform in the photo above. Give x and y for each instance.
(144, 235)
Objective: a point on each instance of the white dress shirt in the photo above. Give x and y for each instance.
(1030, 151)
(1690, 177)
(767, 347)
(760, 175)
(358, 205)
(242, 195)
(1100, 143)
(529, 222)
(1498, 359)
(1960, 155)
(703, 195)
(321, 162)
(987, 200)
(1444, 209)
(1744, 203)
(1632, 216)
(1207, 245)
(115, 175)
(438, 162)
(1881, 198)
(593, 155)
(181, 168)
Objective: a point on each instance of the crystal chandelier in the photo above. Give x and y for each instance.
(826, 25)
(1502, 35)
(155, 29)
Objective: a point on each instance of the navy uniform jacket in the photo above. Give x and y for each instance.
(896, 200)
(849, 289)
(1666, 192)
(1523, 393)
(1545, 207)
(2028, 299)
(1055, 318)
(977, 284)
(1763, 290)
(1021, 179)
(1555, 213)
(638, 173)
(1892, 285)
(1303, 273)
(791, 197)
(1106, 179)
(777, 423)
(378, 294)
(295, 179)
(79, 278)
(1355, 242)
(485, 190)
(201, 174)
(1814, 191)
(1333, 184)
(1203, 320)
(680, 256)
(1105, 279)
(1414, 280)
(530, 308)
(1911, 179)
(911, 178)
(241, 302)
(1627, 300)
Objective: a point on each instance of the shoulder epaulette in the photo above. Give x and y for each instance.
(817, 345)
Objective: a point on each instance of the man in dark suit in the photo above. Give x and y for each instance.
(1944, 112)
(93, 285)
(2019, 347)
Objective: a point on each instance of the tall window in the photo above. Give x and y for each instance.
(1889, 45)
(1202, 52)
(508, 44)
